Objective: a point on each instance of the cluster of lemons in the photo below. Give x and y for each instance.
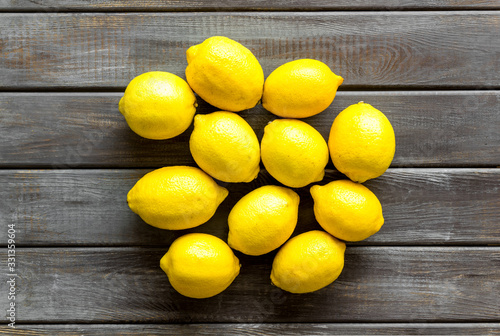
(161, 105)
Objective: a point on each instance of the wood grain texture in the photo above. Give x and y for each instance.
(192, 5)
(245, 329)
(368, 49)
(384, 284)
(88, 266)
(89, 208)
(71, 130)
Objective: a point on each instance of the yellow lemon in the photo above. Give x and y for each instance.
(200, 265)
(308, 262)
(347, 210)
(300, 89)
(176, 197)
(158, 105)
(293, 152)
(225, 146)
(362, 142)
(263, 220)
(225, 74)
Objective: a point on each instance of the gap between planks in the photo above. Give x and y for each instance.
(242, 6)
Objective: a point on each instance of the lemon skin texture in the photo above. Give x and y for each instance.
(225, 146)
(176, 197)
(300, 89)
(263, 220)
(200, 265)
(158, 105)
(361, 142)
(293, 152)
(225, 74)
(347, 210)
(308, 262)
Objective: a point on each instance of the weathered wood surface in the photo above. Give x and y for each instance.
(84, 258)
(89, 208)
(258, 329)
(69, 130)
(175, 5)
(369, 49)
(378, 283)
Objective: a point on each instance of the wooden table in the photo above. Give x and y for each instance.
(86, 265)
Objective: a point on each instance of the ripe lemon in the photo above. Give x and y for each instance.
(176, 197)
(347, 210)
(293, 152)
(263, 220)
(362, 142)
(200, 265)
(225, 146)
(158, 105)
(308, 262)
(225, 74)
(300, 89)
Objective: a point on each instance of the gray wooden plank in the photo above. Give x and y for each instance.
(368, 49)
(70, 130)
(89, 208)
(271, 329)
(378, 284)
(173, 5)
